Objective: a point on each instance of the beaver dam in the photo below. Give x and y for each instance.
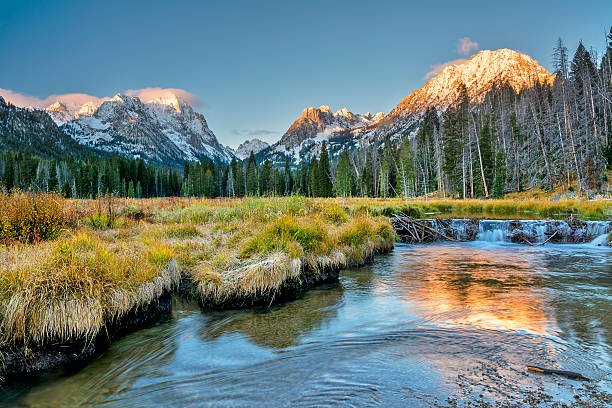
(571, 231)
(181, 302)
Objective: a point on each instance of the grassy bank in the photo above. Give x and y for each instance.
(514, 207)
(69, 268)
(106, 258)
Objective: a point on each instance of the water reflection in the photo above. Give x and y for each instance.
(491, 288)
(280, 326)
(418, 326)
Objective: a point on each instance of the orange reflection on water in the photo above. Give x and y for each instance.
(495, 290)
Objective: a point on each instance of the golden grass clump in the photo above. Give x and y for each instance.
(279, 252)
(67, 290)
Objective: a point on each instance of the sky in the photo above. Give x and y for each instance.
(251, 66)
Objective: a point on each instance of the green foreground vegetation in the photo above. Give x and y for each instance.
(69, 267)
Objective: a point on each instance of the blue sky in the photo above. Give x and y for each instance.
(255, 65)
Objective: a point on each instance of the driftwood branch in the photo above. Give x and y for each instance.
(567, 374)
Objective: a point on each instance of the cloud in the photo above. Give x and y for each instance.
(19, 99)
(438, 68)
(465, 46)
(145, 94)
(254, 133)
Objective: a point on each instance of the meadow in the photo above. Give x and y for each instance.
(70, 268)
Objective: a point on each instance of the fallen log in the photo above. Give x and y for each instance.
(567, 374)
(549, 238)
(410, 224)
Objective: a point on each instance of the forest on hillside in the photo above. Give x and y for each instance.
(543, 137)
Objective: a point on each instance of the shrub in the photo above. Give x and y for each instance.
(30, 217)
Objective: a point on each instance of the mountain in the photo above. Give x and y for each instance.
(62, 112)
(254, 145)
(165, 130)
(345, 130)
(22, 128)
(480, 74)
(307, 132)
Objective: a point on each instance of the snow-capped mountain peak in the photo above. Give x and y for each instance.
(480, 73)
(165, 130)
(169, 99)
(254, 145)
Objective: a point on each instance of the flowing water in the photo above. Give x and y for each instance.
(427, 325)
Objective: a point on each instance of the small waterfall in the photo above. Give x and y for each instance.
(538, 231)
(601, 240)
(517, 231)
(492, 231)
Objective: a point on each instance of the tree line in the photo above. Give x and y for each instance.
(90, 177)
(545, 136)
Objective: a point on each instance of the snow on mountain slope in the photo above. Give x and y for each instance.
(344, 130)
(480, 74)
(305, 135)
(254, 145)
(164, 130)
(319, 122)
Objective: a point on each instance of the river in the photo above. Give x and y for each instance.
(428, 325)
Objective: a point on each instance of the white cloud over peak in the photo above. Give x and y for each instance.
(24, 100)
(438, 68)
(78, 99)
(148, 94)
(465, 46)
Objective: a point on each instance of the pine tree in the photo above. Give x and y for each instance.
(313, 180)
(345, 182)
(452, 149)
(288, 187)
(130, 192)
(9, 172)
(324, 182)
(252, 182)
(266, 183)
(53, 180)
(500, 175)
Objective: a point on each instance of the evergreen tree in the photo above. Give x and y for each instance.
(345, 182)
(500, 175)
(252, 182)
(313, 180)
(9, 172)
(487, 154)
(53, 180)
(324, 182)
(288, 180)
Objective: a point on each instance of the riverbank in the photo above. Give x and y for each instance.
(74, 269)
(517, 207)
(444, 324)
(116, 260)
